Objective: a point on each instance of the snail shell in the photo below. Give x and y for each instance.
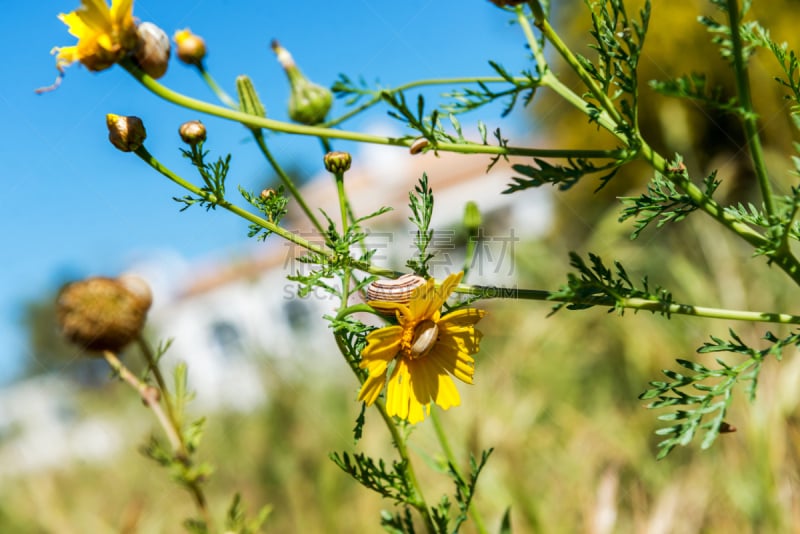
(418, 145)
(425, 337)
(400, 290)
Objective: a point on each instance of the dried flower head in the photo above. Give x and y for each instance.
(102, 313)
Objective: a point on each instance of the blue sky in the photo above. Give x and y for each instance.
(72, 205)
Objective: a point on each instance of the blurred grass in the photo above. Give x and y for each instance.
(555, 397)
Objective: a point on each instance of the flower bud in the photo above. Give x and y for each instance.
(472, 217)
(192, 132)
(337, 162)
(309, 103)
(248, 98)
(152, 52)
(267, 193)
(125, 133)
(101, 313)
(191, 48)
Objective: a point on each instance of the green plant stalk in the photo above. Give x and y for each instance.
(490, 292)
(339, 177)
(289, 236)
(547, 31)
(286, 180)
(783, 259)
(167, 423)
(441, 435)
(419, 502)
(469, 254)
(746, 100)
(212, 84)
(548, 79)
(252, 121)
(153, 367)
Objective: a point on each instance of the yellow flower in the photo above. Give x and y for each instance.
(427, 350)
(105, 35)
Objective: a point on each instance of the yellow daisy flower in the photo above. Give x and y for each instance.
(105, 35)
(427, 350)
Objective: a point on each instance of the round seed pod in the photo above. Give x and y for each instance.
(101, 313)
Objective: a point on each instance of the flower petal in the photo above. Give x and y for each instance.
(464, 317)
(398, 391)
(453, 361)
(372, 388)
(121, 10)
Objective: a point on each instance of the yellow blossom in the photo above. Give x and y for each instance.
(105, 35)
(425, 348)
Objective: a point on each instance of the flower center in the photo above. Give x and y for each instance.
(426, 334)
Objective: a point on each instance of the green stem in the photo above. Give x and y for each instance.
(339, 176)
(254, 121)
(287, 181)
(221, 94)
(272, 227)
(441, 435)
(419, 502)
(549, 79)
(402, 450)
(167, 422)
(549, 33)
(489, 292)
(746, 101)
(152, 365)
(150, 397)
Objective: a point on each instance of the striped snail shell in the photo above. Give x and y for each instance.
(400, 290)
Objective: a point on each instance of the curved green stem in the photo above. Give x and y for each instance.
(549, 79)
(212, 84)
(287, 181)
(489, 292)
(272, 227)
(254, 121)
(749, 118)
(549, 33)
(441, 435)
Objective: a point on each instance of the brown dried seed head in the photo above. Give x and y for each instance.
(102, 313)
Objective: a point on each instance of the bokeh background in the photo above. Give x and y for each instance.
(556, 397)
